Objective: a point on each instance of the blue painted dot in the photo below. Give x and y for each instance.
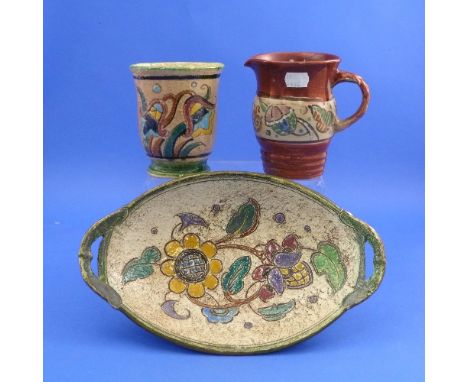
(157, 88)
(279, 218)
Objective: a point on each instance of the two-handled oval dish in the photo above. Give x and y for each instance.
(232, 263)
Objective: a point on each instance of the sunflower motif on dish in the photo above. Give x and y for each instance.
(191, 265)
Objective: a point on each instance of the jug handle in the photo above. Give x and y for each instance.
(342, 124)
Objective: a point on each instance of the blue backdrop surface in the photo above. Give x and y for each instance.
(94, 164)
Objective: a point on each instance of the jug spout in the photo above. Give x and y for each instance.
(294, 74)
(294, 112)
(251, 63)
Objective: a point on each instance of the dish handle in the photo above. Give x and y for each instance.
(96, 283)
(366, 287)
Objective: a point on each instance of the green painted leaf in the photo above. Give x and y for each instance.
(289, 128)
(150, 255)
(276, 312)
(292, 120)
(323, 118)
(233, 280)
(136, 271)
(184, 152)
(263, 106)
(168, 151)
(327, 117)
(327, 261)
(141, 267)
(144, 105)
(245, 220)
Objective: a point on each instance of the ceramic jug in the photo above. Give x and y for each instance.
(177, 114)
(294, 112)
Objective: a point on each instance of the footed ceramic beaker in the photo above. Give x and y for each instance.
(177, 114)
(294, 112)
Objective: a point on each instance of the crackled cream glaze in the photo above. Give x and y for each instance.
(179, 309)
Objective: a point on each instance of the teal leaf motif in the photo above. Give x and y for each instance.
(276, 312)
(150, 255)
(233, 280)
(245, 220)
(141, 267)
(327, 261)
(186, 149)
(175, 134)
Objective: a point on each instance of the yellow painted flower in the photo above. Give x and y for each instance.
(191, 265)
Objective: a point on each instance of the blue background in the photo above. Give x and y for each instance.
(94, 164)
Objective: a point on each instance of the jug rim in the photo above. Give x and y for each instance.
(295, 58)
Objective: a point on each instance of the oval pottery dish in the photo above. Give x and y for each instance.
(232, 263)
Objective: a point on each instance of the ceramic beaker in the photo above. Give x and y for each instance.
(294, 112)
(177, 114)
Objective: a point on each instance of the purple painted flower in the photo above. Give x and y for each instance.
(275, 279)
(281, 259)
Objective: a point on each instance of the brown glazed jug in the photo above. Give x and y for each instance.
(294, 112)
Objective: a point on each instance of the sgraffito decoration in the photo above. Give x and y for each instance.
(194, 267)
(198, 119)
(294, 111)
(177, 114)
(231, 262)
(294, 121)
